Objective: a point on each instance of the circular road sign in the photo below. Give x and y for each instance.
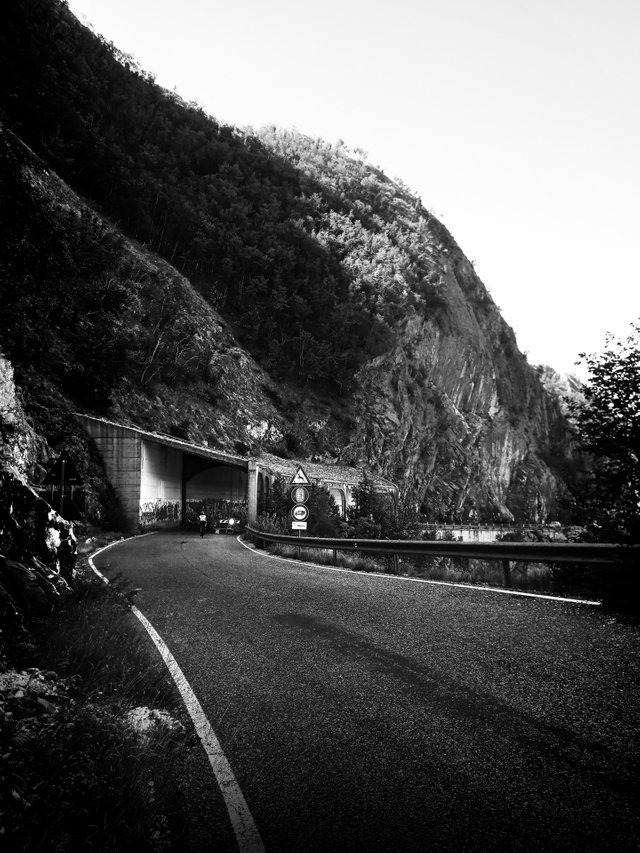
(300, 513)
(299, 495)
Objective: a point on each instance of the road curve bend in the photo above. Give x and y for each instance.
(361, 713)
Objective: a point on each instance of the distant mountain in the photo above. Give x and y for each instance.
(252, 290)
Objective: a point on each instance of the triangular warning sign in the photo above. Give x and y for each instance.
(300, 478)
(63, 471)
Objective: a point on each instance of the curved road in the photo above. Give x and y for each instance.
(367, 713)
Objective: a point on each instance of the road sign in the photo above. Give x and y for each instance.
(63, 473)
(298, 525)
(300, 512)
(300, 478)
(299, 495)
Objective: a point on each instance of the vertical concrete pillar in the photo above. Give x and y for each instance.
(252, 492)
(183, 490)
(121, 451)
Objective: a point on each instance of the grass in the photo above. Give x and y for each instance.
(325, 556)
(524, 576)
(94, 641)
(537, 577)
(75, 774)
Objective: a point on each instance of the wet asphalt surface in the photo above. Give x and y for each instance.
(375, 714)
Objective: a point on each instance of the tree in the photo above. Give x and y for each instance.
(607, 423)
(373, 514)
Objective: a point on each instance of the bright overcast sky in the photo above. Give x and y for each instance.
(517, 123)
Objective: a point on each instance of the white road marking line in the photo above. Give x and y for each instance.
(244, 827)
(424, 580)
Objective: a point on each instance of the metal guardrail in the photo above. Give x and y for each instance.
(505, 552)
(498, 525)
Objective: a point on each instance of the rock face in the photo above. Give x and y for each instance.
(565, 387)
(19, 443)
(37, 546)
(455, 415)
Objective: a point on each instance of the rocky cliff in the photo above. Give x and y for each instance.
(455, 415)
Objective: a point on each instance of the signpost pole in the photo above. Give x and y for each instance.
(299, 496)
(60, 474)
(62, 488)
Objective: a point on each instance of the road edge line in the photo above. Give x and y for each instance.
(244, 827)
(473, 587)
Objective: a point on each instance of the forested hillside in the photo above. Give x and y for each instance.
(143, 241)
(210, 200)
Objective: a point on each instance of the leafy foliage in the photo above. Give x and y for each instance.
(79, 306)
(312, 252)
(608, 427)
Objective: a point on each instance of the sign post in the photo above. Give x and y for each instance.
(299, 496)
(62, 474)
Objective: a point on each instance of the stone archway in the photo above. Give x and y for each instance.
(339, 497)
(261, 492)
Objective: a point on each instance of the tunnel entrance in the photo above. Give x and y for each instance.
(157, 477)
(218, 489)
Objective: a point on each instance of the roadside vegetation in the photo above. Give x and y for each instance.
(374, 516)
(93, 737)
(529, 577)
(606, 425)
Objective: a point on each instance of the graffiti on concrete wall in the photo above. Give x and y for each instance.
(218, 512)
(160, 512)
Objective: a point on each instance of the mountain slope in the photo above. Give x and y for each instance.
(304, 302)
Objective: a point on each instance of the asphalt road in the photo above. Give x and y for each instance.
(366, 713)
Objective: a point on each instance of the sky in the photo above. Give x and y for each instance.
(517, 124)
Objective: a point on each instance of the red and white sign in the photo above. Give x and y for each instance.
(300, 478)
(300, 513)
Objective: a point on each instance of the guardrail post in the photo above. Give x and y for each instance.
(506, 573)
(335, 557)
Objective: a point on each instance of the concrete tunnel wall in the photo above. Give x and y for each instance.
(121, 451)
(220, 482)
(160, 474)
(154, 477)
(172, 478)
